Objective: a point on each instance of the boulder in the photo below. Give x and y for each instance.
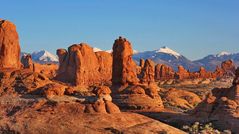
(182, 98)
(102, 90)
(103, 93)
(111, 107)
(9, 45)
(53, 89)
(136, 90)
(103, 102)
(99, 107)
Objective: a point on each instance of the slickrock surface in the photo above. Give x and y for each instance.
(9, 45)
(52, 117)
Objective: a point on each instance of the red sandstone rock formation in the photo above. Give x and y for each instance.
(139, 68)
(148, 72)
(133, 95)
(9, 45)
(53, 89)
(105, 66)
(152, 90)
(47, 69)
(102, 90)
(82, 67)
(124, 68)
(218, 73)
(26, 61)
(103, 104)
(221, 107)
(228, 67)
(136, 90)
(62, 55)
(236, 80)
(182, 98)
(141, 63)
(203, 73)
(163, 72)
(182, 73)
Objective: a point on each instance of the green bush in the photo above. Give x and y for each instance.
(198, 128)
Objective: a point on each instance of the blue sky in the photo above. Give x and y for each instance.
(194, 28)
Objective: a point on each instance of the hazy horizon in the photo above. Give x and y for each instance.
(192, 28)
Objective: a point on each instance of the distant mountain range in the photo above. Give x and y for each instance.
(164, 55)
(167, 56)
(43, 57)
(210, 62)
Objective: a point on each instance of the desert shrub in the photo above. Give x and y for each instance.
(198, 128)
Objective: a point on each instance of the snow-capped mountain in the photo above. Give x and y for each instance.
(167, 56)
(223, 53)
(42, 57)
(169, 51)
(210, 62)
(95, 49)
(110, 51)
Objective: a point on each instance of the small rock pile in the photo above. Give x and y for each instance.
(103, 103)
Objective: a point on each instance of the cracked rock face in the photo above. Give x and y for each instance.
(9, 45)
